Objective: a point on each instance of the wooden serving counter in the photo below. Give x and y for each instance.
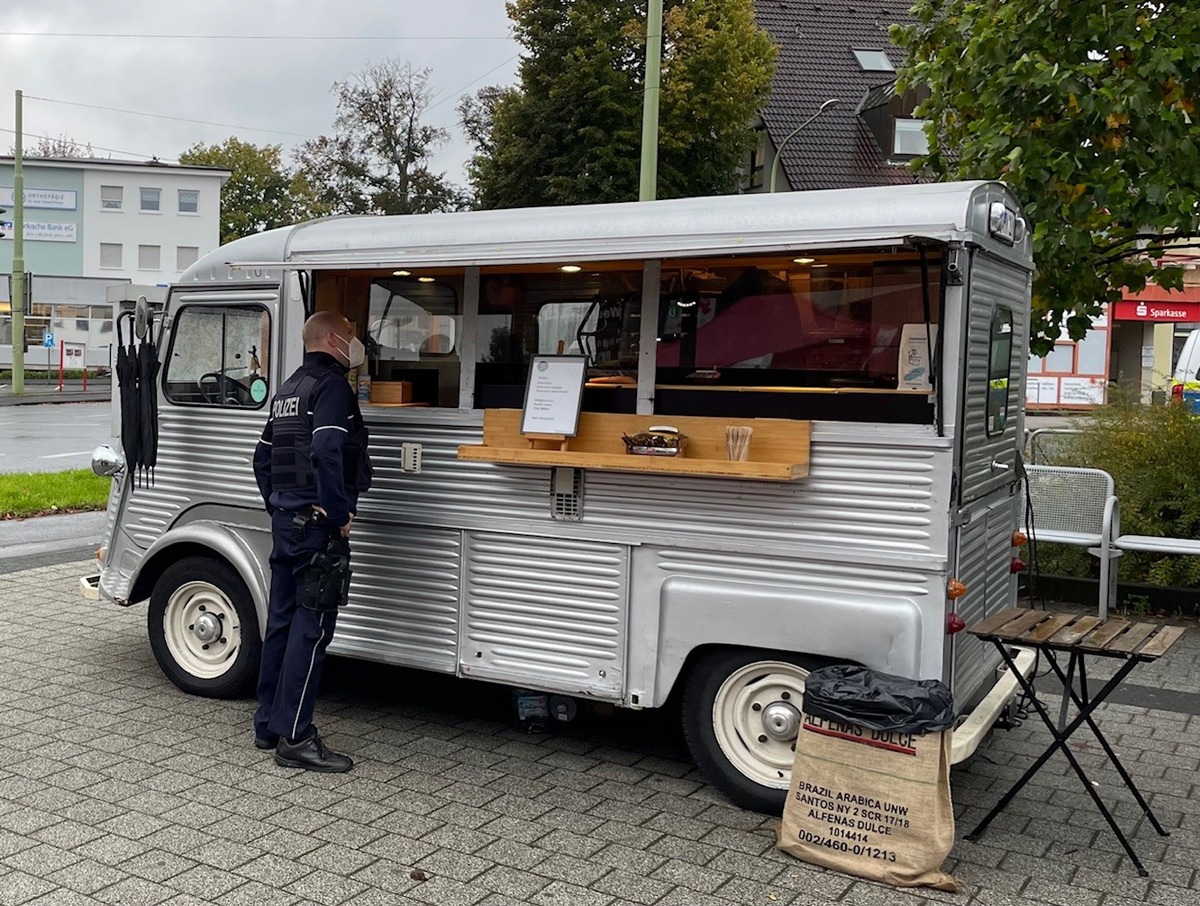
(779, 448)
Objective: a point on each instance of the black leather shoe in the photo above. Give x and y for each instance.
(265, 742)
(311, 755)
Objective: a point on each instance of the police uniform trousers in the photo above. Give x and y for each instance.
(293, 650)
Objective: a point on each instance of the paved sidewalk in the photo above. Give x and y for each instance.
(39, 390)
(115, 788)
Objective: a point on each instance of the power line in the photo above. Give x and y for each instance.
(163, 116)
(192, 37)
(50, 138)
(461, 91)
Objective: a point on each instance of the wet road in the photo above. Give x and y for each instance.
(50, 438)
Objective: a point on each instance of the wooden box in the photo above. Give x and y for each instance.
(391, 392)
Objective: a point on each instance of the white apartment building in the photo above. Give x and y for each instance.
(92, 223)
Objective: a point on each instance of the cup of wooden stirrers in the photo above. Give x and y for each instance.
(737, 442)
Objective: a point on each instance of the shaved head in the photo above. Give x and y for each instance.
(318, 327)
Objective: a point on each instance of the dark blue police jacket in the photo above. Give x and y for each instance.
(313, 450)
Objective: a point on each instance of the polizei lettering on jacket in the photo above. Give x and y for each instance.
(286, 407)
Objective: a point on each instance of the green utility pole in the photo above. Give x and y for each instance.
(649, 179)
(17, 302)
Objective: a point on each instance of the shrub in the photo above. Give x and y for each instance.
(1153, 455)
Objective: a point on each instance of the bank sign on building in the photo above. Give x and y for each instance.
(90, 224)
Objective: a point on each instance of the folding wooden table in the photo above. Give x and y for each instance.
(1077, 636)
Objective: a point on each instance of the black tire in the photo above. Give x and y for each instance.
(204, 629)
(732, 768)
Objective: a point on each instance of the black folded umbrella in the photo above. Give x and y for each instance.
(127, 381)
(147, 368)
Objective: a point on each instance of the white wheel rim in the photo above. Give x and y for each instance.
(202, 630)
(749, 711)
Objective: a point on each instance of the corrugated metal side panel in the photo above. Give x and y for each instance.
(857, 497)
(204, 456)
(403, 597)
(973, 570)
(803, 575)
(446, 489)
(992, 284)
(888, 498)
(548, 610)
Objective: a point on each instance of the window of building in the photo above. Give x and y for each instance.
(112, 197)
(149, 257)
(756, 166)
(110, 254)
(218, 357)
(189, 201)
(910, 139)
(151, 199)
(186, 256)
(873, 60)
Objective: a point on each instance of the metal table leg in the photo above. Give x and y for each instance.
(1085, 708)
(1060, 738)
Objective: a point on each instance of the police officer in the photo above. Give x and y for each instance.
(311, 463)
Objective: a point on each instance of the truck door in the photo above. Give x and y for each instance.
(990, 430)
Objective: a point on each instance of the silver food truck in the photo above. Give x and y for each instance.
(874, 340)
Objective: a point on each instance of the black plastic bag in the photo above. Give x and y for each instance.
(878, 701)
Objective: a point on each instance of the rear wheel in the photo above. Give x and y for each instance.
(203, 628)
(741, 714)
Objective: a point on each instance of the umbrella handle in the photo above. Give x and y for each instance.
(122, 316)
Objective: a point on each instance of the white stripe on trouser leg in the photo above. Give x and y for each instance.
(311, 661)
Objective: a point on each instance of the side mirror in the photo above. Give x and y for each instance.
(141, 317)
(107, 462)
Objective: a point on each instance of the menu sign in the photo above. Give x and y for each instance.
(553, 395)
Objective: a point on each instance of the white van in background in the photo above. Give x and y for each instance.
(1185, 379)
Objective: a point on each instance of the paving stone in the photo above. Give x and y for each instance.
(156, 865)
(135, 892)
(559, 893)
(446, 892)
(325, 887)
(520, 885)
(252, 893)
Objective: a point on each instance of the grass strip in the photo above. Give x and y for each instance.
(40, 493)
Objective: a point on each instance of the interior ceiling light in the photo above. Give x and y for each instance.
(819, 264)
(570, 268)
(425, 279)
(804, 260)
(401, 273)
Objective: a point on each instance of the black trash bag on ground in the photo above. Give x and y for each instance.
(878, 701)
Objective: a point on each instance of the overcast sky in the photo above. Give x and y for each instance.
(247, 86)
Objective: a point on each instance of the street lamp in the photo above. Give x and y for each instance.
(779, 151)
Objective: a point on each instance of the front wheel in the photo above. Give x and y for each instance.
(203, 628)
(741, 715)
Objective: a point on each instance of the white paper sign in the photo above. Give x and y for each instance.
(553, 395)
(915, 360)
(1076, 391)
(1041, 391)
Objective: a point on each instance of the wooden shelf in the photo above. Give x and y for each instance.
(779, 448)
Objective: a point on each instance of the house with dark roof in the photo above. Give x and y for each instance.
(834, 119)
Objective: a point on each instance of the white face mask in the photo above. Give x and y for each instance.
(356, 352)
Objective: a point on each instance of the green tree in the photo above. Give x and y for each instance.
(1087, 109)
(377, 160)
(570, 132)
(261, 194)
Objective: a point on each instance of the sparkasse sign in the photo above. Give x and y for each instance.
(1131, 310)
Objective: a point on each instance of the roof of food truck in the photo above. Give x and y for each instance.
(629, 230)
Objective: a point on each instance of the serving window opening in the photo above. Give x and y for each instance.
(839, 335)
(411, 324)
